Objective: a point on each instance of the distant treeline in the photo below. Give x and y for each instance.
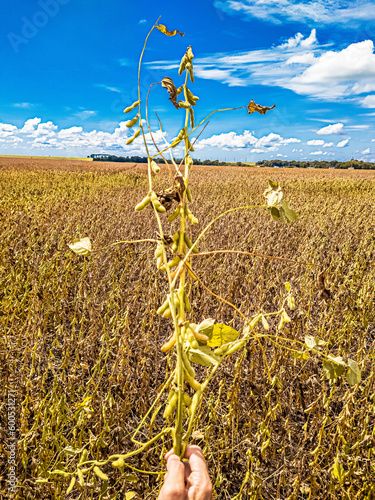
(143, 159)
(355, 164)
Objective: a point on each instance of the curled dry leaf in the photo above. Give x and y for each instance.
(168, 84)
(251, 107)
(164, 30)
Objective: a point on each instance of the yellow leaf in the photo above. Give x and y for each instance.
(130, 495)
(164, 30)
(251, 107)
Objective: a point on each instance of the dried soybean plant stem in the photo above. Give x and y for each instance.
(148, 123)
(252, 254)
(166, 142)
(140, 104)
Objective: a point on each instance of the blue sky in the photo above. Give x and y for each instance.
(69, 68)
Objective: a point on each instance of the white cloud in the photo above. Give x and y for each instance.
(300, 64)
(350, 71)
(335, 128)
(29, 126)
(46, 136)
(318, 11)
(23, 105)
(368, 101)
(231, 140)
(84, 115)
(343, 144)
(315, 142)
(316, 153)
(366, 151)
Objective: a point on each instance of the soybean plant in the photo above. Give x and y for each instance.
(197, 341)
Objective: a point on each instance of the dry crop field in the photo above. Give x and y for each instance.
(80, 338)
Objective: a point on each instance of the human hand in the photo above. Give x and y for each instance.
(186, 481)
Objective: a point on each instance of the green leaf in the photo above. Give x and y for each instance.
(206, 327)
(273, 185)
(289, 214)
(353, 375)
(222, 334)
(274, 212)
(203, 356)
(82, 246)
(329, 370)
(338, 471)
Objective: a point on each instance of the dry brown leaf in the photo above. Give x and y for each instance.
(164, 30)
(251, 107)
(168, 84)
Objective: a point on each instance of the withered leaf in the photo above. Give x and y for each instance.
(168, 84)
(251, 107)
(164, 30)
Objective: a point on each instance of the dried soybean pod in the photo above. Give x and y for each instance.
(163, 307)
(170, 406)
(187, 302)
(143, 203)
(118, 463)
(167, 313)
(130, 108)
(191, 217)
(235, 347)
(188, 161)
(170, 343)
(159, 250)
(61, 473)
(197, 335)
(172, 263)
(265, 324)
(100, 474)
(180, 89)
(221, 350)
(71, 485)
(129, 141)
(81, 479)
(188, 195)
(132, 122)
(83, 457)
(183, 62)
(189, 244)
(189, 54)
(194, 384)
(191, 339)
(195, 402)
(184, 104)
(187, 365)
(192, 121)
(156, 203)
(175, 214)
(187, 399)
(155, 167)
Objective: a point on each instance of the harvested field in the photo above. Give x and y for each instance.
(80, 338)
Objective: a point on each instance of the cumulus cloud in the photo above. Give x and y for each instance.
(46, 136)
(316, 152)
(231, 140)
(335, 128)
(366, 151)
(318, 11)
(350, 71)
(343, 144)
(368, 101)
